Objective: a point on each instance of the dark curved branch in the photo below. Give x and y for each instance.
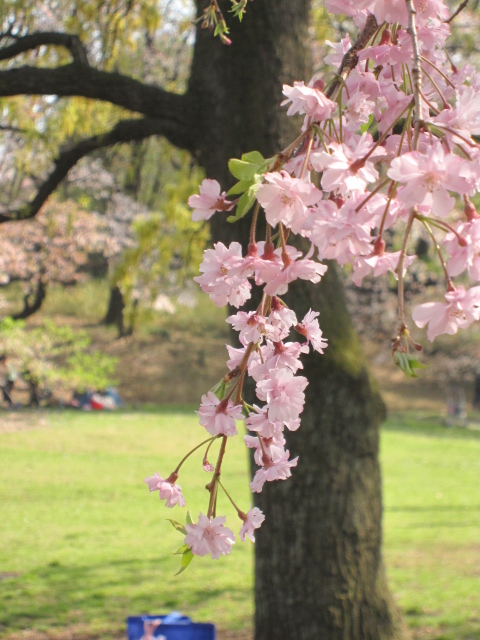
(124, 131)
(79, 80)
(35, 40)
(32, 305)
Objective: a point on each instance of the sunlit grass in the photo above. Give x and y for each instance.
(82, 544)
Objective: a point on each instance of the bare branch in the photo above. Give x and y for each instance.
(78, 80)
(460, 8)
(35, 40)
(124, 131)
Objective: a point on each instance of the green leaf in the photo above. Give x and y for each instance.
(366, 126)
(187, 557)
(242, 170)
(181, 550)
(220, 389)
(408, 363)
(189, 517)
(178, 526)
(239, 187)
(254, 157)
(245, 203)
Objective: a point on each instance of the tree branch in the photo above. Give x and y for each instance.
(79, 80)
(35, 40)
(350, 59)
(124, 131)
(455, 13)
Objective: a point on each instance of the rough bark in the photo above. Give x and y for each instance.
(319, 571)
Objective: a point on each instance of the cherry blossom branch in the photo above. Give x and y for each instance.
(239, 511)
(439, 71)
(399, 272)
(460, 8)
(185, 457)
(439, 253)
(417, 120)
(212, 485)
(416, 71)
(350, 59)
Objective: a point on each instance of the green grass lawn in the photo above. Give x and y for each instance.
(83, 545)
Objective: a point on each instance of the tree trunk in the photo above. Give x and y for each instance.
(319, 572)
(324, 525)
(116, 306)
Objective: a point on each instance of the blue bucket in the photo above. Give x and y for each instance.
(173, 626)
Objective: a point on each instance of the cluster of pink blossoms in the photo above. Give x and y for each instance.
(390, 143)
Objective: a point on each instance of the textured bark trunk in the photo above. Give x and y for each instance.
(319, 572)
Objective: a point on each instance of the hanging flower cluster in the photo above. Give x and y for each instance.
(388, 140)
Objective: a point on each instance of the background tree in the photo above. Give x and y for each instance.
(324, 529)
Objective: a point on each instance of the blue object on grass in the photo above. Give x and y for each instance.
(173, 626)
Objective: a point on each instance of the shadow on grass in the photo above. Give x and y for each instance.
(60, 595)
(425, 626)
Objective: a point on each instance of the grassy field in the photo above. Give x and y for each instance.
(83, 545)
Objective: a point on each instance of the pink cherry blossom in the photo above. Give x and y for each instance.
(259, 422)
(310, 328)
(465, 256)
(283, 391)
(224, 275)
(308, 100)
(168, 491)
(269, 448)
(345, 168)
(219, 416)
(236, 356)
(296, 270)
(339, 50)
(286, 199)
(209, 201)
(275, 355)
(253, 520)
(209, 536)
(253, 327)
(428, 177)
(460, 310)
(276, 468)
(342, 234)
(378, 264)
(282, 317)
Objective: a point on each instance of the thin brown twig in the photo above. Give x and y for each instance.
(461, 7)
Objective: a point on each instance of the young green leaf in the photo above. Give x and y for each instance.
(220, 389)
(240, 187)
(255, 157)
(181, 550)
(408, 363)
(242, 170)
(244, 204)
(187, 557)
(178, 526)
